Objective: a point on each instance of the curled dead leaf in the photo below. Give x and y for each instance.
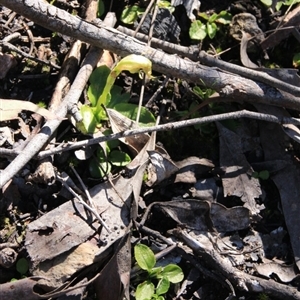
(9, 109)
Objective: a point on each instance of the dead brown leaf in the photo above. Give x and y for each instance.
(9, 109)
(237, 180)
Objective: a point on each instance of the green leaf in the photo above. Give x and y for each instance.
(211, 29)
(97, 83)
(130, 110)
(101, 8)
(197, 30)
(144, 291)
(162, 286)
(296, 60)
(267, 2)
(99, 168)
(212, 18)
(203, 16)
(155, 272)
(119, 158)
(89, 121)
(290, 2)
(130, 14)
(278, 5)
(113, 143)
(166, 4)
(117, 96)
(22, 265)
(264, 175)
(144, 257)
(224, 17)
(173, 273)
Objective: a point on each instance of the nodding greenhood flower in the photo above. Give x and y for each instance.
(132, 63)
(93, 115)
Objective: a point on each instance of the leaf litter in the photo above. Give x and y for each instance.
(214, 208)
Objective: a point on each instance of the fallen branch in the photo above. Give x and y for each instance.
(103, 36)
(164, 127)
(203, 246)
(42, 138)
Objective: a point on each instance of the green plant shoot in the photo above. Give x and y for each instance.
(163, 275)
(132, 63)
(105, 94)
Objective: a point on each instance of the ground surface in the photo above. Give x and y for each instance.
(226, 192)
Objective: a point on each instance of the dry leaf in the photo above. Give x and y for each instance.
(286, 181)
(237, 180)
(285, 273)
(9, 109)
(204, 216)
(120, 123)
(7, 61)
(243, 52)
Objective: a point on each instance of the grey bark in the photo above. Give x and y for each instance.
(227, 84)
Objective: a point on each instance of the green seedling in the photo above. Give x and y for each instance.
(101, 164)
(264, 175)
(162, 276)
(101, 8)
(278, 4)
(131, 13)
(102, 92)
(199, 30)
(22, 266)
(296, 60)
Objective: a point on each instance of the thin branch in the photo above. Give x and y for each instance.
(81, 201)
(165, 127)
(106, 37)
(170, 126)
(41, 139)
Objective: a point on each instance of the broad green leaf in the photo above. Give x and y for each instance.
(144, 257)
(89, 121)
(296, 60)
(22, 265)
(155, 272)
(97, 82)
(117, 96)
(162, 286)
(267, 2)
(130, 110)
(290, 2)
(130, 14)
(111, 144)
(99, 168)
(211, 29)
(166, 4)
(203, 16)
(197, 30)
(224, 17)
(119, 158)
(101, 8)
(264, 175)
(144, 291)
(278, 5)
(173, 273)
(212, 18)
